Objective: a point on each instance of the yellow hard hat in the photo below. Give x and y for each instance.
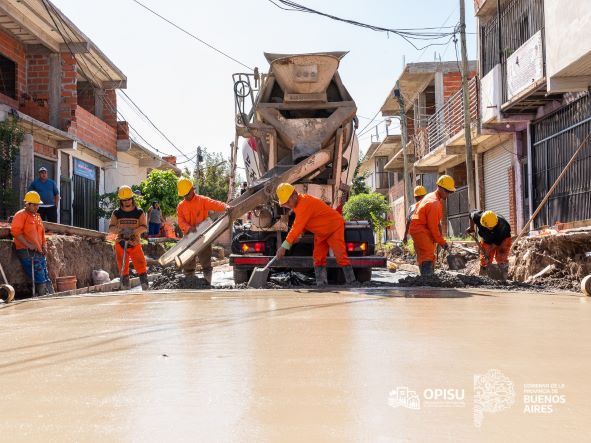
(284, 191)
(489, 219)
(447, 183)
(420, 191)
(184, 186)
(33, 197)
(125, 193)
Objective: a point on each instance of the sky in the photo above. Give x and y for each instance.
(186, 88)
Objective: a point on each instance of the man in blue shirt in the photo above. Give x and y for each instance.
(50, 196)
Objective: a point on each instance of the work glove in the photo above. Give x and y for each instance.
(126, 233)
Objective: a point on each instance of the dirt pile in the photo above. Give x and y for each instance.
(559, 261)
(444, 279)
(169, 278)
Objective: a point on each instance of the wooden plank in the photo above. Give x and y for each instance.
(337, 166)
(56, 228)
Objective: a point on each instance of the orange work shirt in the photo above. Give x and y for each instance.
(30, 226)
(315, 216)
(191, 213)
(427, 216)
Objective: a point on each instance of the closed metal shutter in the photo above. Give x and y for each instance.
(497, 162)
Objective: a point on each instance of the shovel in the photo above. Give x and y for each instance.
(455, 261)
(122, 265)
(492, 269)
(6, 291)
(259, 275)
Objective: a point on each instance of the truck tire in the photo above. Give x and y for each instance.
(241, 275)
(363, 274)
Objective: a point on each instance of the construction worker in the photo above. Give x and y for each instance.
(129, 223)
(495, 235)
(191, 211)
(420, 192)
(327, 225)
(29, 240)
(424, 224)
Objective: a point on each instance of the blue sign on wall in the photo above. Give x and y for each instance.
(84, 169)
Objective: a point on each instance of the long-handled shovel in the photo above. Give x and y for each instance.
(32, 270)
(6, 291)
(259, 275)
(122, 264)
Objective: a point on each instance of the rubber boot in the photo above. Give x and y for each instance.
(208, 276)
(144, 282)
(321, 277)
(483, 271)
(426, 268)
(125, 282)
(349, 275)
(40, 289)
(504, 268)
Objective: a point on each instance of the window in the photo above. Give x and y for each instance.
(7, 77)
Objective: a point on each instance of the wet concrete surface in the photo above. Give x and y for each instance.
(369, 365)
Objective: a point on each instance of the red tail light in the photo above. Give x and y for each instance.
(253, 247)
(356, 247)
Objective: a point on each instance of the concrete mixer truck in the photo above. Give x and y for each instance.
(298, 126)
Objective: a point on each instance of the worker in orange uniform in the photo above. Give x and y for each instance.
(495, 235)
(327, 225)
(424, 224)
(129, 223)
(29, 240)
(420, 192)
(191, 211)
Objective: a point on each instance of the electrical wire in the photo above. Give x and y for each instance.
(219, 51)
(408, 34)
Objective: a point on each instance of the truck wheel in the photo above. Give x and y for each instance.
(241, 275)
(363, 274)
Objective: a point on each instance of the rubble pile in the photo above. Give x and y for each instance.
(558, 261)
(169, 278)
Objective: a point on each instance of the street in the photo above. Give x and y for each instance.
(296, 366)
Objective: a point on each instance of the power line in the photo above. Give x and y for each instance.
(219, 51)
(424, 34)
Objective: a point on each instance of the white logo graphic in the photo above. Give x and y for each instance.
(402, 396)
(493, 392)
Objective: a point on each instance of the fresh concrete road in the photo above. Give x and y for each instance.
(374, 365)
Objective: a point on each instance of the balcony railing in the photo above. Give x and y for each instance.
(519, 21)
(449, 120)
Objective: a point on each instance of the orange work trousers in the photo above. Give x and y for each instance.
(500, 253)
(425, 245)
(136, 254)
(334, 241)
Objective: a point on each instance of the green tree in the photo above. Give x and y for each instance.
(214, 175)
(371, 207)
(161, 186)
(359, 186)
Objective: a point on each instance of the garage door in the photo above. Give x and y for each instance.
(497, 162)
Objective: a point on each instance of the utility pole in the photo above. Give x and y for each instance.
(408, 191)
(197, 169)
(466, 102)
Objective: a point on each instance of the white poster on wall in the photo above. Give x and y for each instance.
(525, 66)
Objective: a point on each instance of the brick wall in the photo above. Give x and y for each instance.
(69, 93)
(93, 130)
(14, 50)
(36, 100)
(85, 95)
(110, 108)
(122, 130)
(452, 83)
(512, 200)
(45, 150)
(170, 159)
